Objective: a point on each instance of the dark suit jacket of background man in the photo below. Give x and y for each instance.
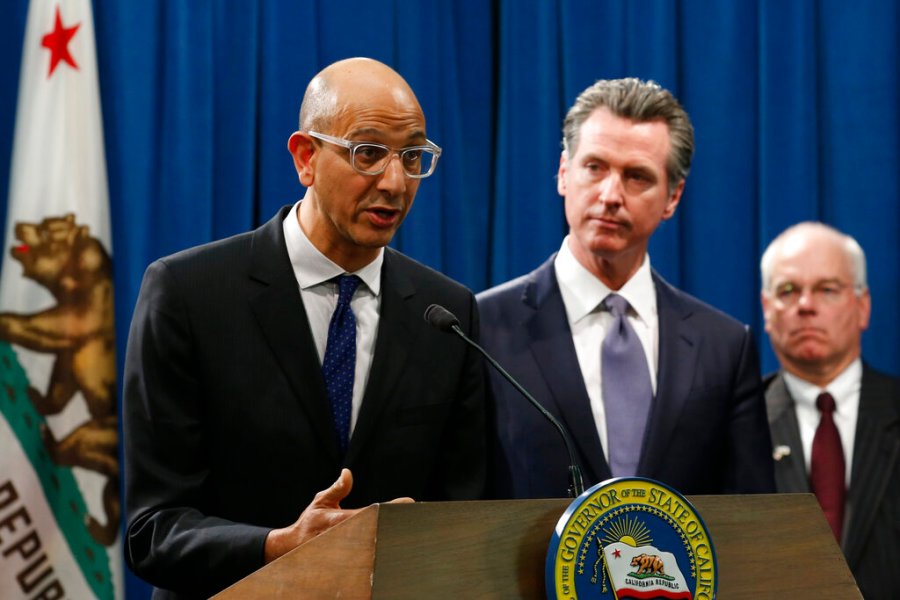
(707, 433)
(227, 424)
(871, 541)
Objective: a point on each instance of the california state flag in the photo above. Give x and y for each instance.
(644, 573)
(59, 470)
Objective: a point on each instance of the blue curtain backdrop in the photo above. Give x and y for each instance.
(794, 103)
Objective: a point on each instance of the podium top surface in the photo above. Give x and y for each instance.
(766, 545)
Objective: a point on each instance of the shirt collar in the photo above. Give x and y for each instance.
(842, 388)
(312, 268)
(582, 291)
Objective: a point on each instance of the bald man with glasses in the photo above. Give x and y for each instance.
(835, 421)
(288, 371)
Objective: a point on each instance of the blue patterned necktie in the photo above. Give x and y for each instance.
(627, 392)
(339, 363)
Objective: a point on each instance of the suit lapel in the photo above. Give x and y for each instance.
(396, 335)
(876, 456)
(677, 362)
(790, 468)
(280, 313)
(554, 353)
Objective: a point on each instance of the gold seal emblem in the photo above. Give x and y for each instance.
(631, 538)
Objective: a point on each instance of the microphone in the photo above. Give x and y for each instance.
(441, 318)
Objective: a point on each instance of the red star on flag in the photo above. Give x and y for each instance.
(617, 553)
(57, 42)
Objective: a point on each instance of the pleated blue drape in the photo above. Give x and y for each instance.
(794, 104)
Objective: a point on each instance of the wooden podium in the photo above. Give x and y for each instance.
(772, 545)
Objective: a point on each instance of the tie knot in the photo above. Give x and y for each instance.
(347, 285)
(616, 304)
(825, 403)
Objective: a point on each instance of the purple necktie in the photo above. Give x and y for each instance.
(627, 392)
(826, 473)
(339, 363)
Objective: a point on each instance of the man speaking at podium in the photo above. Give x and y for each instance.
(260, 365)
(650, 381)
(835, 421)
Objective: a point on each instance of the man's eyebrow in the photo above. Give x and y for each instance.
(416, 136)
(823, 281)
(834, 279)
(592, 157)
(370, 131)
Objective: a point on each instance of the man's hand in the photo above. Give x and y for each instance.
(322, 514)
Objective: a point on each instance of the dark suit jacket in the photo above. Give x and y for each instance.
(871, 541)
(227, 425)
(707, 427)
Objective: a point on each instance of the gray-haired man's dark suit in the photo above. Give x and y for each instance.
(707, 430)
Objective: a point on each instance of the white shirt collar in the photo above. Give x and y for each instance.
(842, 388)
(312, 268)
(582, 291)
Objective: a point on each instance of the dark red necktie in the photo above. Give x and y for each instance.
(826, 475)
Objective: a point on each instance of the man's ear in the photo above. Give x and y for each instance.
(561, 173)
(865, 309)
(303, 151)
(673, 200)
(766, 301)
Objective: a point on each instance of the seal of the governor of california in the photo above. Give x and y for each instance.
(631, 538)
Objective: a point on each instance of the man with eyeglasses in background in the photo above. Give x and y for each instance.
(264, 368)
(835, 421)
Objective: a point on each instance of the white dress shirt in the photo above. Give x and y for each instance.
(314, 272)
(582, 294)
(845, 390)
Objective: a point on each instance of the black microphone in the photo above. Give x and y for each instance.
(441, 318)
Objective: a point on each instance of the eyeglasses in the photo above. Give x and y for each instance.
(788, 294)
(369, 158)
